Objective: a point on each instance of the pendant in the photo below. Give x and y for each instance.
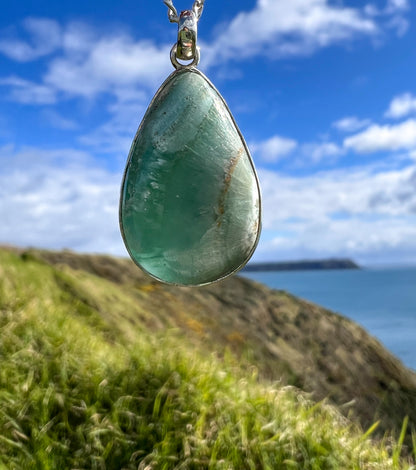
(190, 198)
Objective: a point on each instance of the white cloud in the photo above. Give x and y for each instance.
(277, 148)
(351, 124)
(109, 63)
(317, 152)
(366, 241)
(401, 106)
(396, 6)
(66, 198)
(57, 199)
(281, 28)
(392, 7)
(45, 37)
(58, 121)
(26, 92)
(384, 138)
(394, 12)
(274, 148)
(362, 191)
(116, 135)
(87, 63)
(365, 213)
(400, 24)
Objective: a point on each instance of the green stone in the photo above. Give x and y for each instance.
(190, 200)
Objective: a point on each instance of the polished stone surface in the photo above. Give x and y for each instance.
(190, 202)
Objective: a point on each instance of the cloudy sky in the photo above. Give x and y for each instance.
(324, 92)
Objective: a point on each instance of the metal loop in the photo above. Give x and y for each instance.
(186, 47)
(177, 64)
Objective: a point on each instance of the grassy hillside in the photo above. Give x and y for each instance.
(102, 368)
(288, 340)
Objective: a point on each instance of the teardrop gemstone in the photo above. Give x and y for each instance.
(190, 199)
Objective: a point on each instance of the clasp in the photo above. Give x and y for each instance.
(187, 35)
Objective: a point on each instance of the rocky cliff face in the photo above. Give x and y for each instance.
(285, 338)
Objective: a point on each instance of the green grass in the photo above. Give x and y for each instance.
(80, 392)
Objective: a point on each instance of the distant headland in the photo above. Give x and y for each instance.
(304, 265)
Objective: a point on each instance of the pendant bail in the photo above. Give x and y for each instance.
(187, 35)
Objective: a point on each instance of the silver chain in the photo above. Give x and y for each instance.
(173, 16)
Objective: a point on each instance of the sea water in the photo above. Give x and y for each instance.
(382, 300)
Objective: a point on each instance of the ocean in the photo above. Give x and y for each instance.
(382, 300)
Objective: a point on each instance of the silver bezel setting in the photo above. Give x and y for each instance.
(191, 69)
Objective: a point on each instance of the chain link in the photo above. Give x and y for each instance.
(173, 16)
(198, 7)
(172, 13)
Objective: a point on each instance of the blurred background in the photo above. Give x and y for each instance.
(323, 91)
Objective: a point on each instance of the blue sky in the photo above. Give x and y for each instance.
(323, 91)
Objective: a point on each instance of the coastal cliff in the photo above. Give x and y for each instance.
(287, 340)
(303, 265)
